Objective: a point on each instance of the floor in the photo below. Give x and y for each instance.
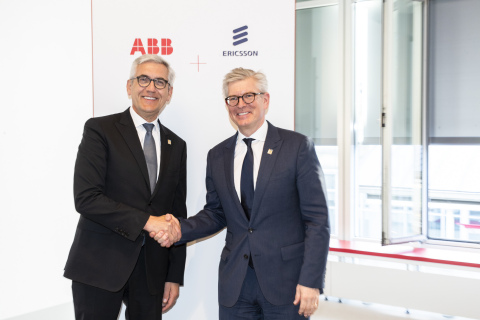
(327, 310)
(356, 310)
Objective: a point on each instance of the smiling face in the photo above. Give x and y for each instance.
(248, 117)
(149, 101)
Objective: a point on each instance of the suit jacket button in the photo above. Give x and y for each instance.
(150, 203)
(245, 256)
(250, 230)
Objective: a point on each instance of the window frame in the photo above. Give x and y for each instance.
(345, 124)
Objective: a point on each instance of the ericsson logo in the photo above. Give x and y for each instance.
(239, 37)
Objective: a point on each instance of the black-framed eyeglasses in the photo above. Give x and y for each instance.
(144, 81)
(248, 97)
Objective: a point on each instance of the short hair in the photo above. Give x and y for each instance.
(239, 74)
(155, 59)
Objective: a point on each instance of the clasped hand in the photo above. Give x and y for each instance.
(164, 229)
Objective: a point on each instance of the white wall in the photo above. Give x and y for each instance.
(198, 30)
(437, 288)
(46, 87)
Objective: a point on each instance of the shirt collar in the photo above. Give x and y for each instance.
(259, 135)
(139, 121)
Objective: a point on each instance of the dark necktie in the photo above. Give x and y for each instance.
(246, 179)
(150, 155)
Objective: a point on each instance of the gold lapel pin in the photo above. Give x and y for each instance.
(169, 141)
(270, 151)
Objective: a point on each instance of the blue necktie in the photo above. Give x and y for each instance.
(150, 155)
(246, 179)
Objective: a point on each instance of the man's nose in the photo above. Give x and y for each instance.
(151, 86)
(241, 102)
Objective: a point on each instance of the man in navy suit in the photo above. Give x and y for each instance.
(129, 169)
(273, 262)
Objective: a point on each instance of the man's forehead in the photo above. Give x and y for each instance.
(243, 86)
(152, 68)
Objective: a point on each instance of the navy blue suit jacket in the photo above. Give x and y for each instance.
(288, 233)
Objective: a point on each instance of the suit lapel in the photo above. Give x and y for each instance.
(228, 156)
(165, 155)
(271, 148)
(129, 133)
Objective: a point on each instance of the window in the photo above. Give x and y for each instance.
(367, 103)
(402, 135)
(389, 92)
(454, 120)
(316, 92)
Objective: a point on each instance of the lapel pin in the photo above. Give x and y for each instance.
(169, 141)
(270, 151)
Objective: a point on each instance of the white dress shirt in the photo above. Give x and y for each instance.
(241, 151)
(138, 122)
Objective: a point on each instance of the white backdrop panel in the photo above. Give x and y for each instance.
(200, 33)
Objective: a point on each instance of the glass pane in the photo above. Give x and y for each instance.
(454, 192)
(317, 70)
(454, 71)
(405, 90)
(367, 44)
(454, 114)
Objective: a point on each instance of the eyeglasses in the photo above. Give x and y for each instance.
(248, 97)
(144, 81)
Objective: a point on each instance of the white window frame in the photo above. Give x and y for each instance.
(345, 123)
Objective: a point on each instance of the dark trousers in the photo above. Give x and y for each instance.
(252, 305)
(92, 303)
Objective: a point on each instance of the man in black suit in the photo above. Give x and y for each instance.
(120, 189)
(265, 185)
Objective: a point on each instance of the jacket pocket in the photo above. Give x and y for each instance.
(293, 251)
(89, 225)
(280, 175)
(172, 173)
(225, 254)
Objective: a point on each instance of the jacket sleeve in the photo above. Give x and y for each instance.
(89, 187)
(178, 254)
(314, 210)
(209, 220)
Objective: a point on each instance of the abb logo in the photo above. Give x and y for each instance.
(152, 48)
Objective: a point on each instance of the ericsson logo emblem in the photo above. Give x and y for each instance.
(240, 37)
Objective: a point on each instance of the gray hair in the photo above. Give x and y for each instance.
(239, 74)
(155, 59)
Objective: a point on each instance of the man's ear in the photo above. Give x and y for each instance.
(129, 88)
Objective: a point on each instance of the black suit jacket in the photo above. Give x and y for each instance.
(112, 195)
(288, 233)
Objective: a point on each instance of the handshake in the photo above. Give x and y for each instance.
(164, 229)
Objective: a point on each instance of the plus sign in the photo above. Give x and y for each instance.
(198, 63)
